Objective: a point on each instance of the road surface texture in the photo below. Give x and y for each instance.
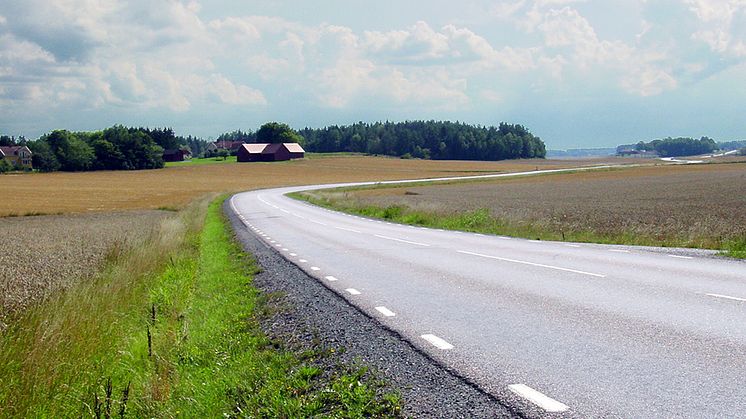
(548, 329)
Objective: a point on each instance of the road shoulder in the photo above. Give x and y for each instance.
(312, 314)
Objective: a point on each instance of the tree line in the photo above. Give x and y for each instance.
(675, 147)
(441, 140)
(135, 148)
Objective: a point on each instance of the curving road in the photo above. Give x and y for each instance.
(551, 329)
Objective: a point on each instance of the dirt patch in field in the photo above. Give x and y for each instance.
(176, 186)
(695, 205)
(44, 254)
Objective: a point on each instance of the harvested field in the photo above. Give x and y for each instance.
(174, 187)
(46, 253)
(694, 205)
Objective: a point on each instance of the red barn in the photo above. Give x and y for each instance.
(269, 152)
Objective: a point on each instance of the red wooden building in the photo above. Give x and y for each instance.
(269, 152)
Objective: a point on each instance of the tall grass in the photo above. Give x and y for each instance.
(169, 328)
(57, 356)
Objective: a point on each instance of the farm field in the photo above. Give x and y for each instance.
(46, 253)
(174, 187)
(691, 206)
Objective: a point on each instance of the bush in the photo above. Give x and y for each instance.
(5, 166)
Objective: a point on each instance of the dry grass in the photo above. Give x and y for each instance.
(174, 187)
(698, 205)
(46, 253)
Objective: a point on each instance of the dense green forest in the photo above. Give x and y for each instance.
(427, 140)
(674, 147)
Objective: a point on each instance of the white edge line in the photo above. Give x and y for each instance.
(545, 402)
(540, 265)
(437, 342)
(680, 257)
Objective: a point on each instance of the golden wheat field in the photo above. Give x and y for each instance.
(43, 254)
(690, 205)
(174, 187)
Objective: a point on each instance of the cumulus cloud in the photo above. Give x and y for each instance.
(94, 54)
(722, 23)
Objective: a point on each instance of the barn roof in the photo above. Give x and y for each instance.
(255, 148)
(294, 147)
(271, 148)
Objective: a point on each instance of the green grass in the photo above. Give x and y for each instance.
(202, 161)
(172, 329)
(481, 221)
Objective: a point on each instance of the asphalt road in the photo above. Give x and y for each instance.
(549, 328)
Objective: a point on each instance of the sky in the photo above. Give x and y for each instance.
(578, 74)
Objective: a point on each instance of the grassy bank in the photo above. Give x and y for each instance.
(202, 161)
(170, 328)
(482, 220)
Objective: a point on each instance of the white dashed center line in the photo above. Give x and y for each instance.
(318, 222)
(302, 260)
(347, 229)
(401, 240)
(540, 265)
(727, 297)
(331, 278)
(437, 342)
(537, 398)
(353, 291)
(386, 312)
(315, 268)
(293, 254)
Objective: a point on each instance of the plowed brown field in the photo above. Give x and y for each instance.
(693, 205)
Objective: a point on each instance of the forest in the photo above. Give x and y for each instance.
(440, 140)
(675, 147)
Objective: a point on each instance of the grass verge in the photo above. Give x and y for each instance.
(171, 328)
(482, 221)
(202, 161)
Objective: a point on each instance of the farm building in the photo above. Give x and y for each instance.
(270, 152)
(176, 155)
(18, 156)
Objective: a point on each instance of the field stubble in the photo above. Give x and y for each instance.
(694, 206)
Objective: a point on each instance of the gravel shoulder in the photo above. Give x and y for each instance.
(311, 315)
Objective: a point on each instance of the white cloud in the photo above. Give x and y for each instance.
(649, 82)
(233, 94)
(719, 20)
